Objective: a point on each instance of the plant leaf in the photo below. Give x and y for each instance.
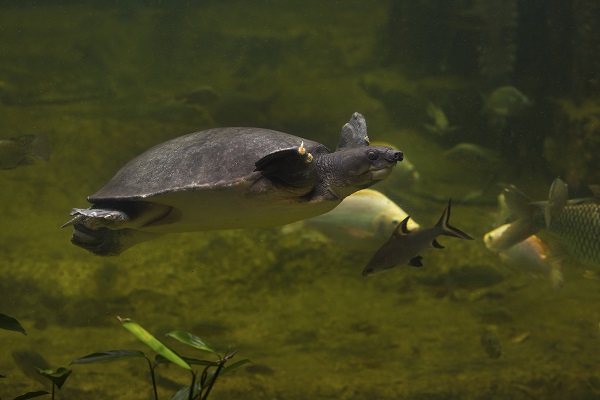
(182, 394)
(58, 377)
(192, 340)
(31, 395)
(11, 324)
(107, 356)
(152, 342)
(191, 361)
(235, 365)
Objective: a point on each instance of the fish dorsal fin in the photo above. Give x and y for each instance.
(402, 228)
(448, 229)
(557, 200)
(436, 244)
(416, 261)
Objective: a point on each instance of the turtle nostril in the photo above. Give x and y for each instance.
(398, 156)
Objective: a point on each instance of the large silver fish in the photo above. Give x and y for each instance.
(363, 221)
(576, 223)
(404, 247)
(23, 150)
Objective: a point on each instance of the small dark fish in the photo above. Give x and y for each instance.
(23, 150)
(491, 342)
(403, 247)
(203, 96)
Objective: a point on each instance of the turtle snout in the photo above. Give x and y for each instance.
(394, 155)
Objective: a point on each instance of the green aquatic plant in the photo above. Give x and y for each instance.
(11, 324)
(58, 377)
(203, 379)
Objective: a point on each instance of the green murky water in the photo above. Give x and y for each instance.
(107, 80)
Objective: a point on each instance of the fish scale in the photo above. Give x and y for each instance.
(575, 223)
(579, 227)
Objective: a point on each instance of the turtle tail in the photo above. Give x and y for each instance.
(108, 242)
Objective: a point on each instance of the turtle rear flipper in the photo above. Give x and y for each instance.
(108, 242)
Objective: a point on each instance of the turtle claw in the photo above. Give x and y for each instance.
(108, 242)
(94, 218)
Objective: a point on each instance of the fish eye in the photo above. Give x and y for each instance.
(372, 155)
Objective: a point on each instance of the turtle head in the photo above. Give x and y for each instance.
(347, 171)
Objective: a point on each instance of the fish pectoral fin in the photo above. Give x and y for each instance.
(436, 244)
(416, 261)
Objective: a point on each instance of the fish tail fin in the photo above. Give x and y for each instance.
(448, 229)
(521, 211)
(518, 204)
(40, 147)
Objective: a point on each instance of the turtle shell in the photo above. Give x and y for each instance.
(207, 160)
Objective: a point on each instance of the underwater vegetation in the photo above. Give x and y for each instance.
(202, 381)
(480, 95)
(58, 377)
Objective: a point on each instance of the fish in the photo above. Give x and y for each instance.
(506, 101)
(574, 223)
(23, 150)
(474, 156)
(363, 221)
(404, 247)
(202, 96)
(531, 255)
(440, 124)
(490, 341)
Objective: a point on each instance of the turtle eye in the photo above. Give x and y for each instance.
(372, 155)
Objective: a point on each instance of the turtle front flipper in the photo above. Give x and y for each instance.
(95, 218)
(108, 242)
(292, 168)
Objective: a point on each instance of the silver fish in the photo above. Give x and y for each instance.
(576, 223)
(363, 221)
(403, 247)
(23, 150)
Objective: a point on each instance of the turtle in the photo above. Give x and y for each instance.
(228, 178)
